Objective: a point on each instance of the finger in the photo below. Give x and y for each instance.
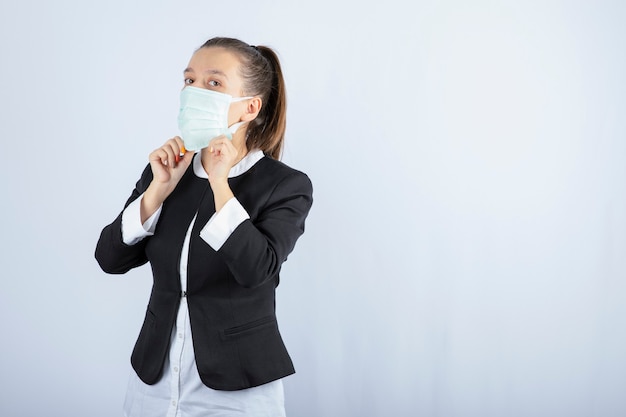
(211, 147)
(176, 143)
(217, 140)
(228, 144)
(179, 141)
(216, 148)
(158, 155)
(187, 156)
(171, 155)
(219, 145)
(176, 151)
(180, 146)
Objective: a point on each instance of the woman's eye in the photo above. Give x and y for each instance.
(214, 83)
(188, 81)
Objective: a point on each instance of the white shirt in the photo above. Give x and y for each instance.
(180, 392)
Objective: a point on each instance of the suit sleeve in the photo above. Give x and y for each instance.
(255, 251)
(113, 255)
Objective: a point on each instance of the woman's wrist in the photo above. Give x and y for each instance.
(152, 199)
(221, 192)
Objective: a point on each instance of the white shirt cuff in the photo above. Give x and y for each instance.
(223, 223)
(132, 229)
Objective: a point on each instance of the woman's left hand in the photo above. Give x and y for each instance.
(218, 158)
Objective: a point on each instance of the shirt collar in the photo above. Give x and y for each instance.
(240, 167)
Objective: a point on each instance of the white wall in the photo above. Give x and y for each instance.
(465, 252)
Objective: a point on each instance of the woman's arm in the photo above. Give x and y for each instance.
(255, 251)
(113, 255)
(158, 180)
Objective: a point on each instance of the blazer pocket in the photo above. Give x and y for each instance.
(251, 327)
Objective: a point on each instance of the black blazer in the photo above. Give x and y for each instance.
(231, 292)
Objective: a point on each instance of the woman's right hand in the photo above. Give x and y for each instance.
(168, 167)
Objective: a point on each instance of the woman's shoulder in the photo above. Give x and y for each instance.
(271, 171)
(279, 167)
(279, 171)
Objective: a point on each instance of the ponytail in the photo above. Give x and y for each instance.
(270, 135)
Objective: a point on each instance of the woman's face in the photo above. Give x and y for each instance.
(217, 69)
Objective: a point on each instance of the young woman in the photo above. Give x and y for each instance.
(216, 214)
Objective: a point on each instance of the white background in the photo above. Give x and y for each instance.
(465, 255)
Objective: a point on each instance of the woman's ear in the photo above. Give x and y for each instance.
(253, 107)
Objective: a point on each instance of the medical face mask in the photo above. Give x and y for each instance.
(203, 116)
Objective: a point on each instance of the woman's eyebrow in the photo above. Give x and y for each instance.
(209, 71)
(216, 72)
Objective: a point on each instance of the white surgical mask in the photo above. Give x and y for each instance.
(203, 116)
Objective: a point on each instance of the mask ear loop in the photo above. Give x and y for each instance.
(232, 129)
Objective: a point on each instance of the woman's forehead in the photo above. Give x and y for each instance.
(214, 59)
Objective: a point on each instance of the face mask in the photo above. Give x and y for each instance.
(203, 116)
